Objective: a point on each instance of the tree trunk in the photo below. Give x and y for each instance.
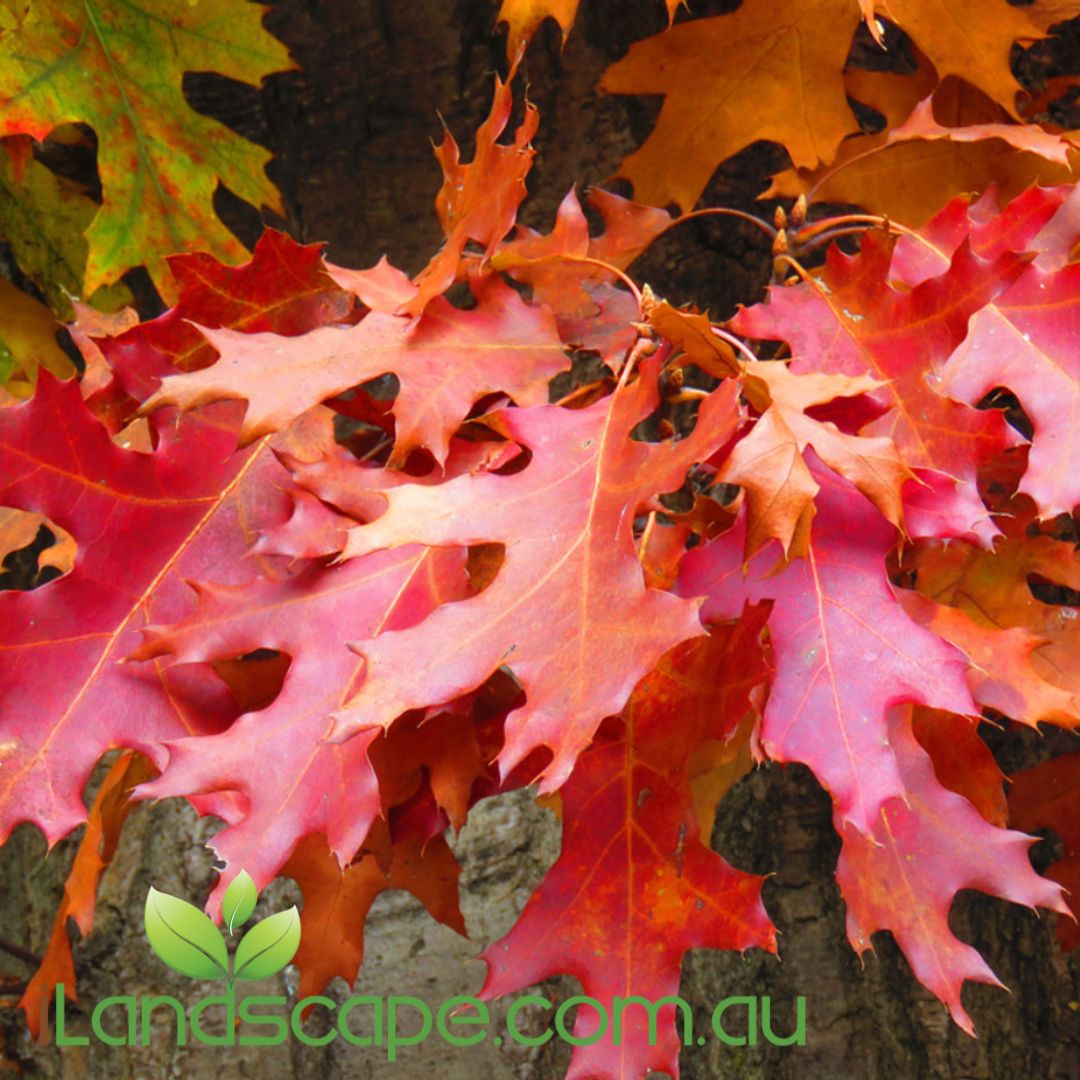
(351, 132)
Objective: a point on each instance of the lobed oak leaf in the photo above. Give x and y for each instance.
(445, 361)
(569, 576)
(561, 268)
(66, 700)
(119, 68)
(1002, 675)
(768, 463)
(291, 782)
(835, 614)
(479, 201)
(990, 227)
(960, 141)
(855, 322)
(926, 845)
(284, 288)
(635, 886)
(992, 588)
(1026, 342)
(337, 901)
(782, 82)
(970, 39)
(1048, 797)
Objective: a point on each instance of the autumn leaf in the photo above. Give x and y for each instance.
(27, 341)
(855, 322)
(635, 886)
(769, 463)
(834, 613)
(992, 588)
(962, 761)
(337, 901)
(283, 289)
(56, 682)
(781, 81)
(478, 201)
(956, 141)
(96, 849)
(43, 217)
(289, 796)
(119, 67)
(927, 844)
(570, 562)
(445, 362)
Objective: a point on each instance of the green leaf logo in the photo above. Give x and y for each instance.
(190, 943)
(185, 938)
(268, 946)
(239, 901)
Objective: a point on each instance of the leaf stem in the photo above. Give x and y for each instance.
(726, 211)
(732, 340)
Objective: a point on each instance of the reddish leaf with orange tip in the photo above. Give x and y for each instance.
(570, 563)
(635, 886)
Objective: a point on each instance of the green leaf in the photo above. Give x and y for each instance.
(184, 937)
(118, 65)
(239, 901)
(268, 946)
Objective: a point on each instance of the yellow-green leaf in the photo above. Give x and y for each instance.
(27, 341)
(118, 66)
(43, 217)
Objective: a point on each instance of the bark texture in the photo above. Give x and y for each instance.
(351, 132)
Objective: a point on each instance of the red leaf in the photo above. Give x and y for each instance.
(446, 361)
(926, 845)
(836, 617)
(291, 782)
(635, 887)
(570, 577)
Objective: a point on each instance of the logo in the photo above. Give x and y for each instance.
(190, 943)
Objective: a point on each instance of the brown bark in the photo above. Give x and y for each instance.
(352, 134)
